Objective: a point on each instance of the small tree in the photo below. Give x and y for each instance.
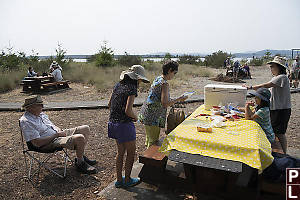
(168, 56)
(216, 59)
(105, 57)
(60, 55)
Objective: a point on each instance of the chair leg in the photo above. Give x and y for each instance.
(42, 163)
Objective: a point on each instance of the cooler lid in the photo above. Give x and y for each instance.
(223, 86)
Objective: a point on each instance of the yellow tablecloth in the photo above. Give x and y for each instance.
(242, 140)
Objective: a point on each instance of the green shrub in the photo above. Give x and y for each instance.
(216, 59)
(256, 62)
(189, 59)
(129, 60)
(105, 57)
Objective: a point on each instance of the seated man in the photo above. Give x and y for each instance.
(247, 70)
(57, 73)
(51, 68)
(31, 72)
(45, 136)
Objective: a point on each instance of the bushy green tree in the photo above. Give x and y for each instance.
(216, 59)
(129, 60)
(189, 59)
(11, 60)
(105, 57)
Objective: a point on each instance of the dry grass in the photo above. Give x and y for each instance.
(10, 80)
(103, 78)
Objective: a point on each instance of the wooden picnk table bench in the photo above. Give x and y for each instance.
(42, 84)
(154, 163)
(55, 85)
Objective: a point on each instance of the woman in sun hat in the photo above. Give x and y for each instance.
(280, 103)
(154, 110)
(121, 118)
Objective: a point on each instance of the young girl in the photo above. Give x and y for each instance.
(262, 112)
(154, 110)
(120, 125)
(280, 102)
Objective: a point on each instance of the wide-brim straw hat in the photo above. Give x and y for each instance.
(53, 64)
(33, 100)
(135, 72)
(280, 61)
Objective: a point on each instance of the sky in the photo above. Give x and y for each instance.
(145, 27)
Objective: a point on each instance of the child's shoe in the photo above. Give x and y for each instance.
(132, 182)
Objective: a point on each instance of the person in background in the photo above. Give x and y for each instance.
(262, 111)
(41, 134)
(280, 103)
(154, 110)
(56, 73)
(236, 68)
(295, 72)
(121, 118)
(246, 68)
(31, 72)
(52, 68)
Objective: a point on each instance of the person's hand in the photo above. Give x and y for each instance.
(250, 103)
(134, 119)
(182, 98)
(61, 134)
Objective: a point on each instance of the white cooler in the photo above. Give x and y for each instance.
(218, 94)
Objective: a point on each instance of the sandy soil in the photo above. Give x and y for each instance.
(100, 147)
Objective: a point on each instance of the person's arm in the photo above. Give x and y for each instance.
(165, 101)
(38, 142)
(129, 105)
(248, 112)
(263, 85)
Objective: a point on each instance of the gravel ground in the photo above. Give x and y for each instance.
(100, 147)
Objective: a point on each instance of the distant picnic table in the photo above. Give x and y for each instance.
(42, 84)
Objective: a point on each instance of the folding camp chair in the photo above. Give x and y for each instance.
(34, 155)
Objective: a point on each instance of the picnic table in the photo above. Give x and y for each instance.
(239, 147)
(39, 84)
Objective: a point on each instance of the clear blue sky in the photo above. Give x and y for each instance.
(140, 27)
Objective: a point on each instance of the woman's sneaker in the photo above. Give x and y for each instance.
(132, 182)
(119, 184)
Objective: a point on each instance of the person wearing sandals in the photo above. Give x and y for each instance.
(121, 118)
(280, 104)
(154, 110)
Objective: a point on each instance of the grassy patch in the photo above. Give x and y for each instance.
(11, 80)
(103, 78)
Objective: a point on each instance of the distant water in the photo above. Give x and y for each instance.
(160, 59)
(79, 60)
